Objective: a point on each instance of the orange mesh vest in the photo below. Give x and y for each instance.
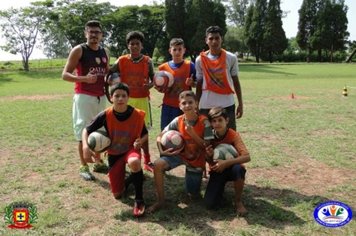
(215, 73)
(123, 133)
(171, 98)
(135, 75)
(192, 153)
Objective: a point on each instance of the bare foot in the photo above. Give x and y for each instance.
(155, 207)
(240, 209)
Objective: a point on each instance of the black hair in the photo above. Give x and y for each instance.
(93, 23)
(134, 35)
(213, 29)
(216, 112)
(121, 86)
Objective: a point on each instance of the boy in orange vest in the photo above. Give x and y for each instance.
(183, 72)
(193, 128)
(222, 171)
(127, 130)
(217, 78)
(137, 71)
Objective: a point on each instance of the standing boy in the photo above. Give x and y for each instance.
(126, 128)
(193, 127)
(223, 171)
(136, 70)
(217, 76)
(183, 72)
(91, 63)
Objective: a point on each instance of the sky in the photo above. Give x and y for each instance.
(290, 22)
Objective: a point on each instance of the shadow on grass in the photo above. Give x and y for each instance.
(268, 207)
(271, 69)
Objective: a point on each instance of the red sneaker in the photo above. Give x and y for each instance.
(139, 208)
(148, 166)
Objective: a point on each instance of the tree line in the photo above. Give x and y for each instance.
(252, 27)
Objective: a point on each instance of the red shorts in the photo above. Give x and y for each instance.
(117, 172)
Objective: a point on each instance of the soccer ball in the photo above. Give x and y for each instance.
(113, 79)
(163, 80)
(224, 152)
(99, 141)
(172, 139)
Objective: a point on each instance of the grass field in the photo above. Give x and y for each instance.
(302, 150)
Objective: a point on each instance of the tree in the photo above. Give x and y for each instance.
(236, 11)
(205, 13)
(332, 27)
(194, 17)
(274, 37)
(147, 19)
(307, 25)
(62, 22)
(20, 30)
(256, 28)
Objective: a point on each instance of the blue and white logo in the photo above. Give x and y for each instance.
(333, 214)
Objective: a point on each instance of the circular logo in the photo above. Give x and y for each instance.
(332, 214)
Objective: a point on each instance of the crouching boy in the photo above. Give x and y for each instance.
(127, 131)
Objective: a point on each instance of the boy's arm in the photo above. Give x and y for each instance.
(151, 73)
(200, 141)
(237, 87)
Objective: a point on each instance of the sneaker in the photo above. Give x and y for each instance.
(101, 168)
(139, 208)
(85, 173)
(148, 166)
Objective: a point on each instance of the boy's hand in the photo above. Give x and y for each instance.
(209, 151)
(171, 152)
(220, 166)
(190, 81)
(137, 144)
(148, 85)
(91, 78)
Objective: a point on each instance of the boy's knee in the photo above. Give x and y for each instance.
(160, 165)
(134, 164)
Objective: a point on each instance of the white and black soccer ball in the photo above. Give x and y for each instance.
(224, 151)
(99, 141)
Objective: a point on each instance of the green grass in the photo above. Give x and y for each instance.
(302, 150)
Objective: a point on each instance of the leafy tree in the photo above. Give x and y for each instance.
(256, 28)
(194, 17)
(236, 11)
(20, 30)
(205, 13)
(62, 22)
(274, 37)
(147, 19)
(307, 25)
(332, 27)
(234, 40)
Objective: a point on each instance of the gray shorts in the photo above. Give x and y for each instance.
(85, 108)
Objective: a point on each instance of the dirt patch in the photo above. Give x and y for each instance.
(308, 176)
(34, 97)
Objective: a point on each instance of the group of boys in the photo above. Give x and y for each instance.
(215, 76)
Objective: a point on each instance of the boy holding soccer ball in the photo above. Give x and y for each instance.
(183, 72)
(222, 171)
(193, 128)
(127, 130)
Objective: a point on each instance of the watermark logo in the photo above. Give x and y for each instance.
(20, 215)
(332, 214)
